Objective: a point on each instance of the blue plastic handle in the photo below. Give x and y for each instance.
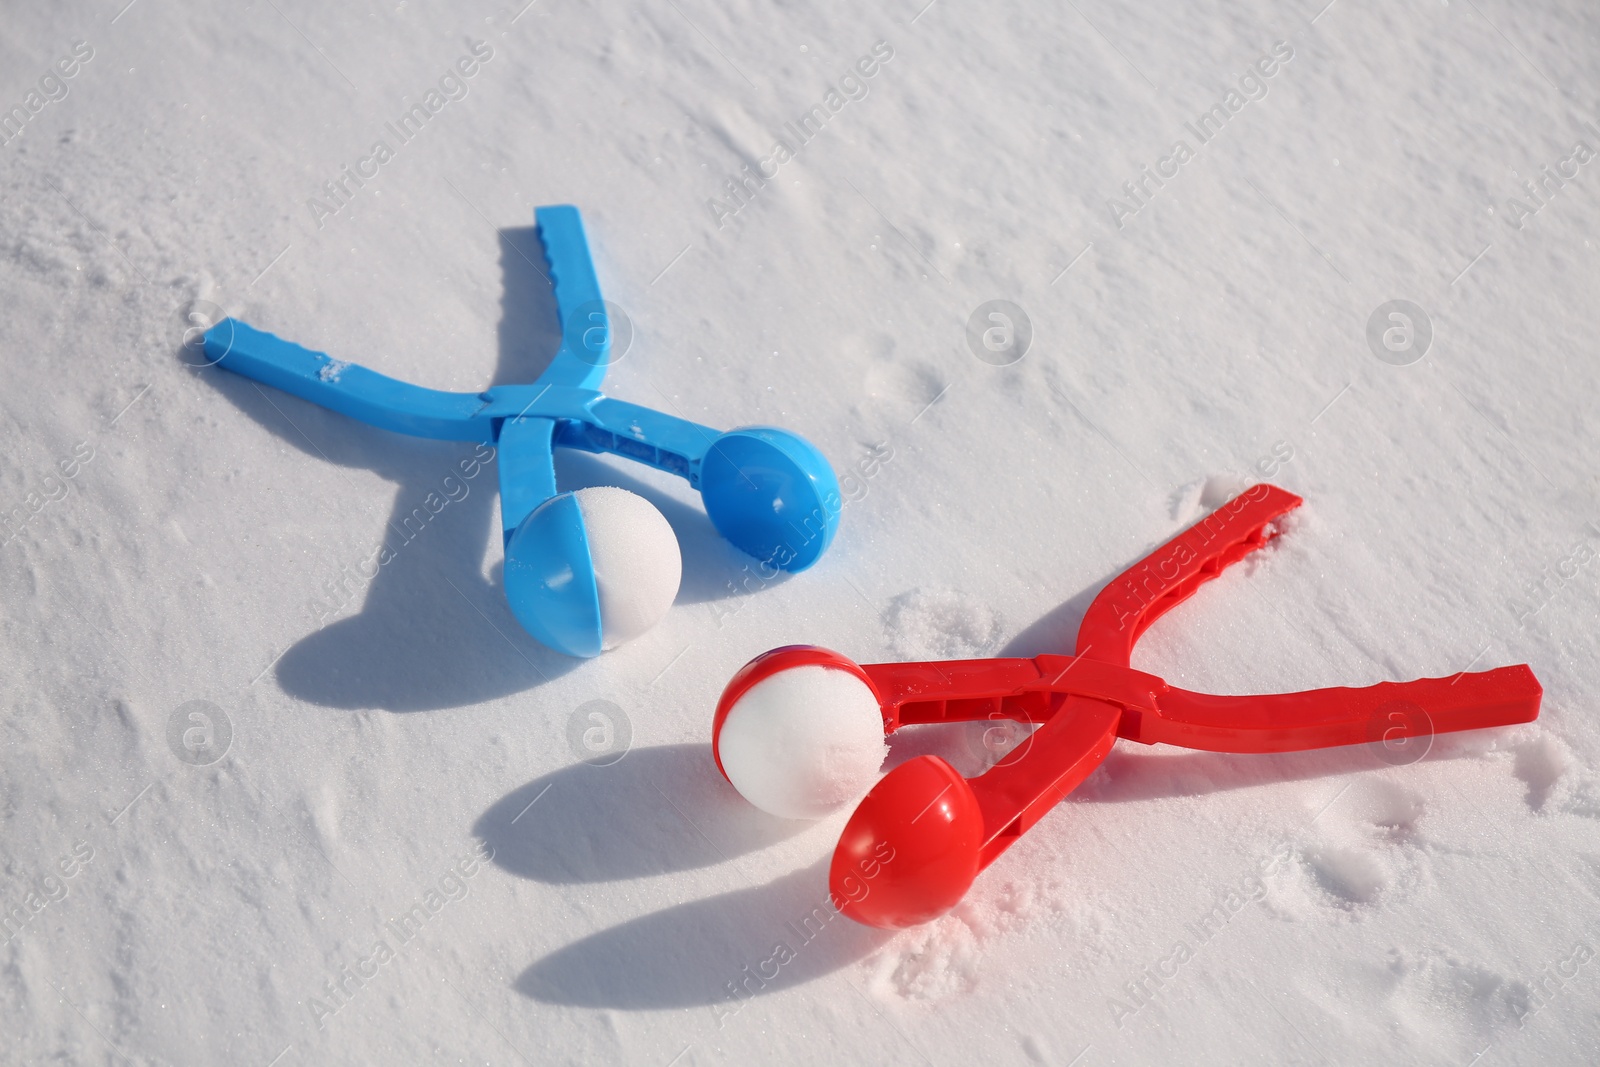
(347, 388)
(379, 400)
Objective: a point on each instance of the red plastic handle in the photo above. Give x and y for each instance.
(1016, 793)
(1036, 690)
(1320, 718)
(1167, 577)
(1027, 690)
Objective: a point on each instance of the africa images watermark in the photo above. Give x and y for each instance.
(1543, 188)
(855, 887)
(1147, 583)
(1148, 984)
(51, 489)
(51, 88)
(599, 734)
(47, 890)
(741, 189)
(54, 487)
(453, 85)
(1399, 332)
(999, 332)
(1252, 85)
(853, 487)
(1553, 979)
(1553, 578)
(350, 979)
(343, 588)
(199, 732)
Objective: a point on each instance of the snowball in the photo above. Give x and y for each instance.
(637, 565)
(803, 742)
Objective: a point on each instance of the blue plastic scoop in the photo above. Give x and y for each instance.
(768, 491)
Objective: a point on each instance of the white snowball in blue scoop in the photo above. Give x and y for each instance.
(637, 565)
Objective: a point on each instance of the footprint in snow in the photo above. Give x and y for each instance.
(940, 624)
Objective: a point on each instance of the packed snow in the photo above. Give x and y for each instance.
(637, 565)
(804, 742)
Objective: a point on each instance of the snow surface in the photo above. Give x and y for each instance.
(271, 795)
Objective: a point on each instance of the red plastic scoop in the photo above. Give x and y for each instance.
(920, 837)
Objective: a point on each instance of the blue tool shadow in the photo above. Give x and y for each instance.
(429, 628)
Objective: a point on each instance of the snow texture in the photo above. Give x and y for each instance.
(283, 782)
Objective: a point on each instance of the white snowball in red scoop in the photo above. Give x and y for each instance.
(804, 742)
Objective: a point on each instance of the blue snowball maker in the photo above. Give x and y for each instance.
(768, 491)
(772, 494)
